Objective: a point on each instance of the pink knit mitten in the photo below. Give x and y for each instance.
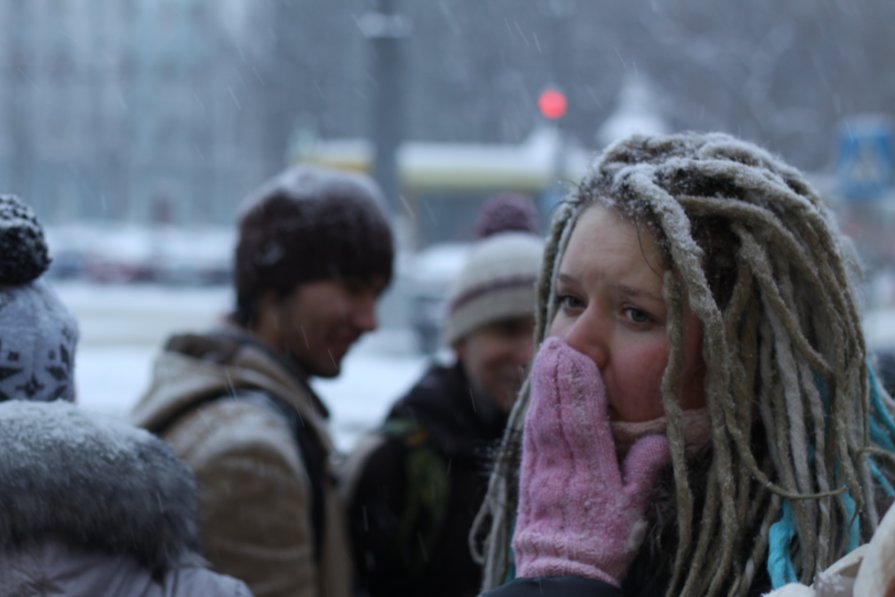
(579, 514)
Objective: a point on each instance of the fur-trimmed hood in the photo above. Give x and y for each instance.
(92, 482)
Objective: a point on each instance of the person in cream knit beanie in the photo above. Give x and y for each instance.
(414, 486)
(496, 283)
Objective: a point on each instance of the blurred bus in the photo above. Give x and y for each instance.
(445, 184)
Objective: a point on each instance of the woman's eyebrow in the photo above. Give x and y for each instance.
(565, 278)
(624, 290)
(638, 293)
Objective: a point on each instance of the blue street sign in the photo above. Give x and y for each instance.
(865, 159)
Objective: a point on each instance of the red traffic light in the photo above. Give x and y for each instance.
(552, 103)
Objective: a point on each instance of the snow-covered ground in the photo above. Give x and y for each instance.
(123, 327)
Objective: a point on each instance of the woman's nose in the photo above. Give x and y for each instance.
(588, 334)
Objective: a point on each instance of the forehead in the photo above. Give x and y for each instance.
(602, 233)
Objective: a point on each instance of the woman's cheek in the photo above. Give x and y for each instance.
(558, 326)
(639, 393)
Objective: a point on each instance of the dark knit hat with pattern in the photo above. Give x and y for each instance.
(38, 335)
(310, 224)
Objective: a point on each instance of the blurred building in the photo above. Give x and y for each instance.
(171, 110)
(125, 109)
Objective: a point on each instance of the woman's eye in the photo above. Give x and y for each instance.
(636, 315)
(567, 301)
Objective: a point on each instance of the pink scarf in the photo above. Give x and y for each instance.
(695, 423)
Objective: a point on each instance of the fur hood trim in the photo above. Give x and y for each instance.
(93, 482)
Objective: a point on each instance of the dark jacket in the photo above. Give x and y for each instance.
(92, 506)
(256, 497)
(554, 586)
(461, 429)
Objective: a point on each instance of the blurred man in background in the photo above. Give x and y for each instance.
(314, 255)
(414, 487)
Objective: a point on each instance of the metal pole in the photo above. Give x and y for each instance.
(385, 29)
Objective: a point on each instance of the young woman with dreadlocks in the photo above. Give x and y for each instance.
(701, 418)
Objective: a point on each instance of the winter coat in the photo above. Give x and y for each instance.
(554, 586)
(255, 493)
(92, 506)
(395, 556)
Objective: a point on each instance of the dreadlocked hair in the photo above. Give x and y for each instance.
(755, 253)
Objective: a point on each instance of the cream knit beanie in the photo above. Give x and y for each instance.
(497, 282)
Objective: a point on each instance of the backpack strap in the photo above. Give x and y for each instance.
(427, 491)
(311, 452)
(314, 458)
